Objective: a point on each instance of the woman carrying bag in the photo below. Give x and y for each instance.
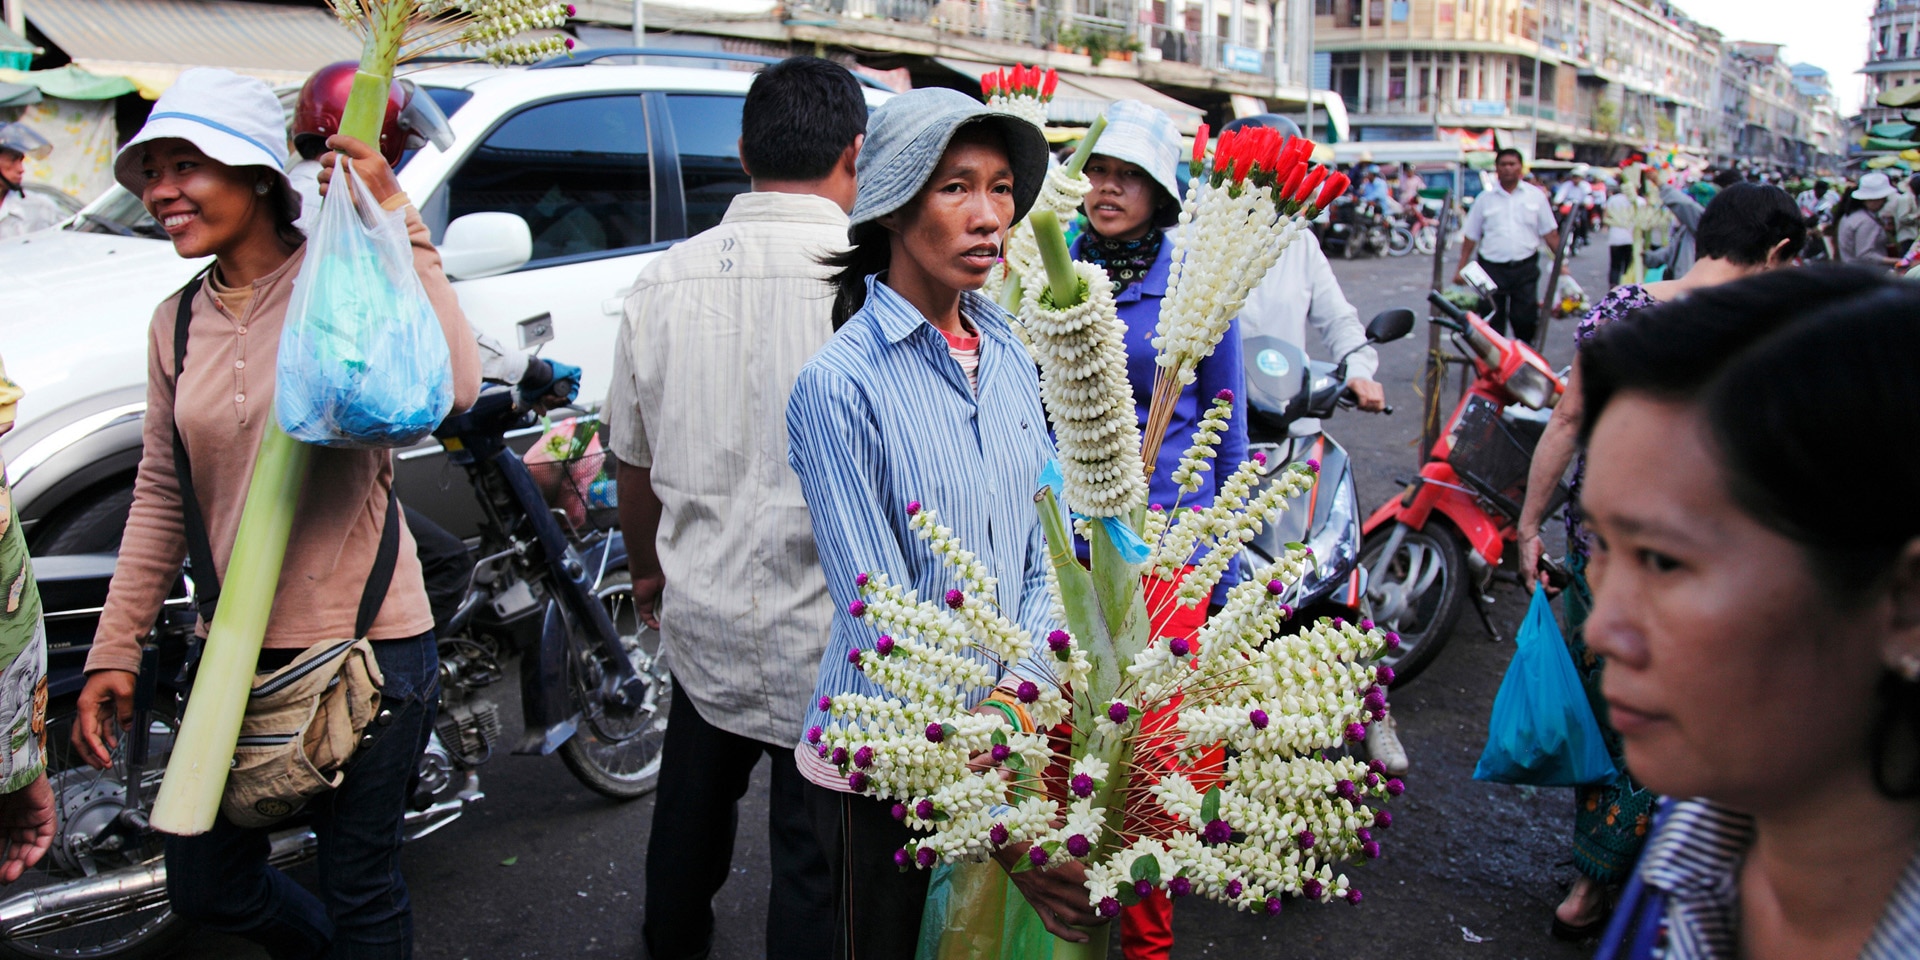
(208, 167)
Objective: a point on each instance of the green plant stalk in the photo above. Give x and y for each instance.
(1011, 293)
(1063, 284)
(1080, 153)
(1084, 621)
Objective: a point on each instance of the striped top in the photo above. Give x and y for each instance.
(1694, 860)
(883, 416)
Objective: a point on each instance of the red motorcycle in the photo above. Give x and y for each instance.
(1437, 545)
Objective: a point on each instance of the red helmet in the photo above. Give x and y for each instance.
(324, 97)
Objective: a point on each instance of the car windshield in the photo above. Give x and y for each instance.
(117, 212)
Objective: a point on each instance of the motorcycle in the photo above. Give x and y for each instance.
(1417, 229)
(593, 689)
(1356, 228)
(1284, 387)
(1436, 546)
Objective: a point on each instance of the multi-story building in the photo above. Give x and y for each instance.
(1893, 55)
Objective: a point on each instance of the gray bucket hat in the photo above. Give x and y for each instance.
(908, 134)
(1147, 138)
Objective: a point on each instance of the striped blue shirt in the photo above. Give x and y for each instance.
(883, 416)
(1694, 861)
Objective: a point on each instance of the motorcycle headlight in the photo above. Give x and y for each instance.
(1531, 387)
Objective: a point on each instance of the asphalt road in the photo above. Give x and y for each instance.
(544, 868)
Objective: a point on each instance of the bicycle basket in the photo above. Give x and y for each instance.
(574, 474)
(1493, 455)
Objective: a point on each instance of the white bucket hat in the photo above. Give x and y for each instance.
(1147, 138)
(1873, 186)
(233, 119)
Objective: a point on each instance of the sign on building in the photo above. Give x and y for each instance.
(1243, 59)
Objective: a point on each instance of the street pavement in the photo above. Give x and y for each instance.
(544, 868)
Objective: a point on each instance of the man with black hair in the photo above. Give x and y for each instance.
(718, 537)
(1507, 226)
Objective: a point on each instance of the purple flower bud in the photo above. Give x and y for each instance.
(924, 856)
(1059, 640)
(1305, 839)
(1338, 622)
(1307, 550)
(863, 757)
(1373, 779)
(1372, 849)
(1396, 787)
(956, 599)
(936, 733)
(997, 835)
(569, 40)
(1356, 732)
(1276, 587)
(1000, 752)
(1117, 713)
(1377, 766)
(899, 811)
(913, 507)
(1109, 907)
(1286, 611)
(1313, 465)
(1028, 692)
(1366, 624)
(1393, 641)
(1312, 889)
(1081, 785)
(1376, 698)
(853, 657)
(839, 756)
(1354, 897)
(924, 810)
(1179, 646)
(1179, 886)
(822, 751)
(570, 10)
(858, 608)
(1156, 508)
(857, 781)
(1078, 846)
(1258, 718)
(1273, 906)
(814, 733)
(1217, 832)
(901, 858)
(1260, 458)
(1365, 835)
(1224, 396)
(1142, 889)
(1344, 790)
(1383, 819)
(826, 703)
(1234, 888)
(861, 580)
(1037, 855)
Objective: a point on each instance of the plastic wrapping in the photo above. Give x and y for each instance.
(974, 913)
(363, 361)
(570, 467)
(1543, 731)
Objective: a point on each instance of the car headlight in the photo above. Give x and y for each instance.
(1531, 387)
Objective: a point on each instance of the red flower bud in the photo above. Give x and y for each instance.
(1314, 177)
(986, 86)
(1336, 185)
(1200, 145)
(1053, 81)
(1242, 167)
(1292, 189)
(1223, 151)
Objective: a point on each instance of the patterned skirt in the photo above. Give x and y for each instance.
(1610, 821)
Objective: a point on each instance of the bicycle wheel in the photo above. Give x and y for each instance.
(88, 844)
(1423, 239)
(616, 750)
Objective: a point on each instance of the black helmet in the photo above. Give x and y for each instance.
(1272, 121)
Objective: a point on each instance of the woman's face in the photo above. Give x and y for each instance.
(1730, 672)
(1874, 204)
(206, 206)
(1120, 205)
(953, 230)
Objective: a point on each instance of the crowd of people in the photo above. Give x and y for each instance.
(1744, 604)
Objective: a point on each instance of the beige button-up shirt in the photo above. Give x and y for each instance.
(715, 333)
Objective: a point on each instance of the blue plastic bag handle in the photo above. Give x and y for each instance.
(1125, 538)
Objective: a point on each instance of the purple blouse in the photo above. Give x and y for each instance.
(1618, 302)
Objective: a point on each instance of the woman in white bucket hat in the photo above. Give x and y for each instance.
(208, 166)
(1860, 235)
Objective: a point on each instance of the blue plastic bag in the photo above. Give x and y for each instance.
(1543, 731)
(363, 362)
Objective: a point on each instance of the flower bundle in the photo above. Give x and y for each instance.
(1644, 214)
(1025, 92)
(1101, 743)
(1021, 90)
(1257, 195)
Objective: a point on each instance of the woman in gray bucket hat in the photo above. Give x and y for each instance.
(923, 399)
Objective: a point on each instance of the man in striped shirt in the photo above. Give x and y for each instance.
(718, 537)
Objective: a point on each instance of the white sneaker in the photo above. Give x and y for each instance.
(1383, 744)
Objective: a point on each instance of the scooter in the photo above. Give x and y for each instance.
(1355, 229)
(1436, 546)
(1284, 387)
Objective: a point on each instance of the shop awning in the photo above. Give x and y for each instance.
(151, 41)
(70, 83)
(18, 94)
(1080, 98)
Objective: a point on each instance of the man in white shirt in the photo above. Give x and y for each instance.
(1507, 227)
(22, 212)
(1300, 289)
(718, 536)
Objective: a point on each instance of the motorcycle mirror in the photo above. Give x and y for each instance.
(423, 118)
(1390, 325)
(1477, 277)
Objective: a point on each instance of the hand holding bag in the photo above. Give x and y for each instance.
(1543, 731)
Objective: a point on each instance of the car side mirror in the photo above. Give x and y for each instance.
(1389, 325)
(486, 245)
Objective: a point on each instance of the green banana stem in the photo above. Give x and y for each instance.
(1063, 284)
(1084, 621)
(1085, 149)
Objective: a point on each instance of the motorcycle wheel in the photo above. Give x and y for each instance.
(1377, 240)
(616, 751)
(88, 801)
(1400, 242)
(1423, 240)
(1418, 592)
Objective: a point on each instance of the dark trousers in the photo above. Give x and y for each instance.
(1619, 258)
(221, 879)
(445, 564)
(876, 906)
(1517, 299)
(703, 775)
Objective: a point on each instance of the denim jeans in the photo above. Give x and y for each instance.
(221, 878)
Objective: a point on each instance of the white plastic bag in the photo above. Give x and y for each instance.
(363, 361)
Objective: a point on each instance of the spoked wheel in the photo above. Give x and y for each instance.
(1417, 584)
(1400, 242)
(616, 751)
(1423, 239)
(92, 841)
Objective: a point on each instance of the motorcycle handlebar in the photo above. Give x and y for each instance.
(1464, 327)
(1446, 306)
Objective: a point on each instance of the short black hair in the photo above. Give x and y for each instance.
(1727, 178)
(1820, 188)
(1509, 151)
(1795, 370)
(801, 115)
(1746, 221)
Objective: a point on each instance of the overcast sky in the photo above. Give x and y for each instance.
(1830, 33)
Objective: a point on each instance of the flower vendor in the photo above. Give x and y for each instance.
(923, 394)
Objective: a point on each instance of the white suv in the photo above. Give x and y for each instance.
(605, 165)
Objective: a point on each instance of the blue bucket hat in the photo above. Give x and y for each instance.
(1147, 138)
(907, 136)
